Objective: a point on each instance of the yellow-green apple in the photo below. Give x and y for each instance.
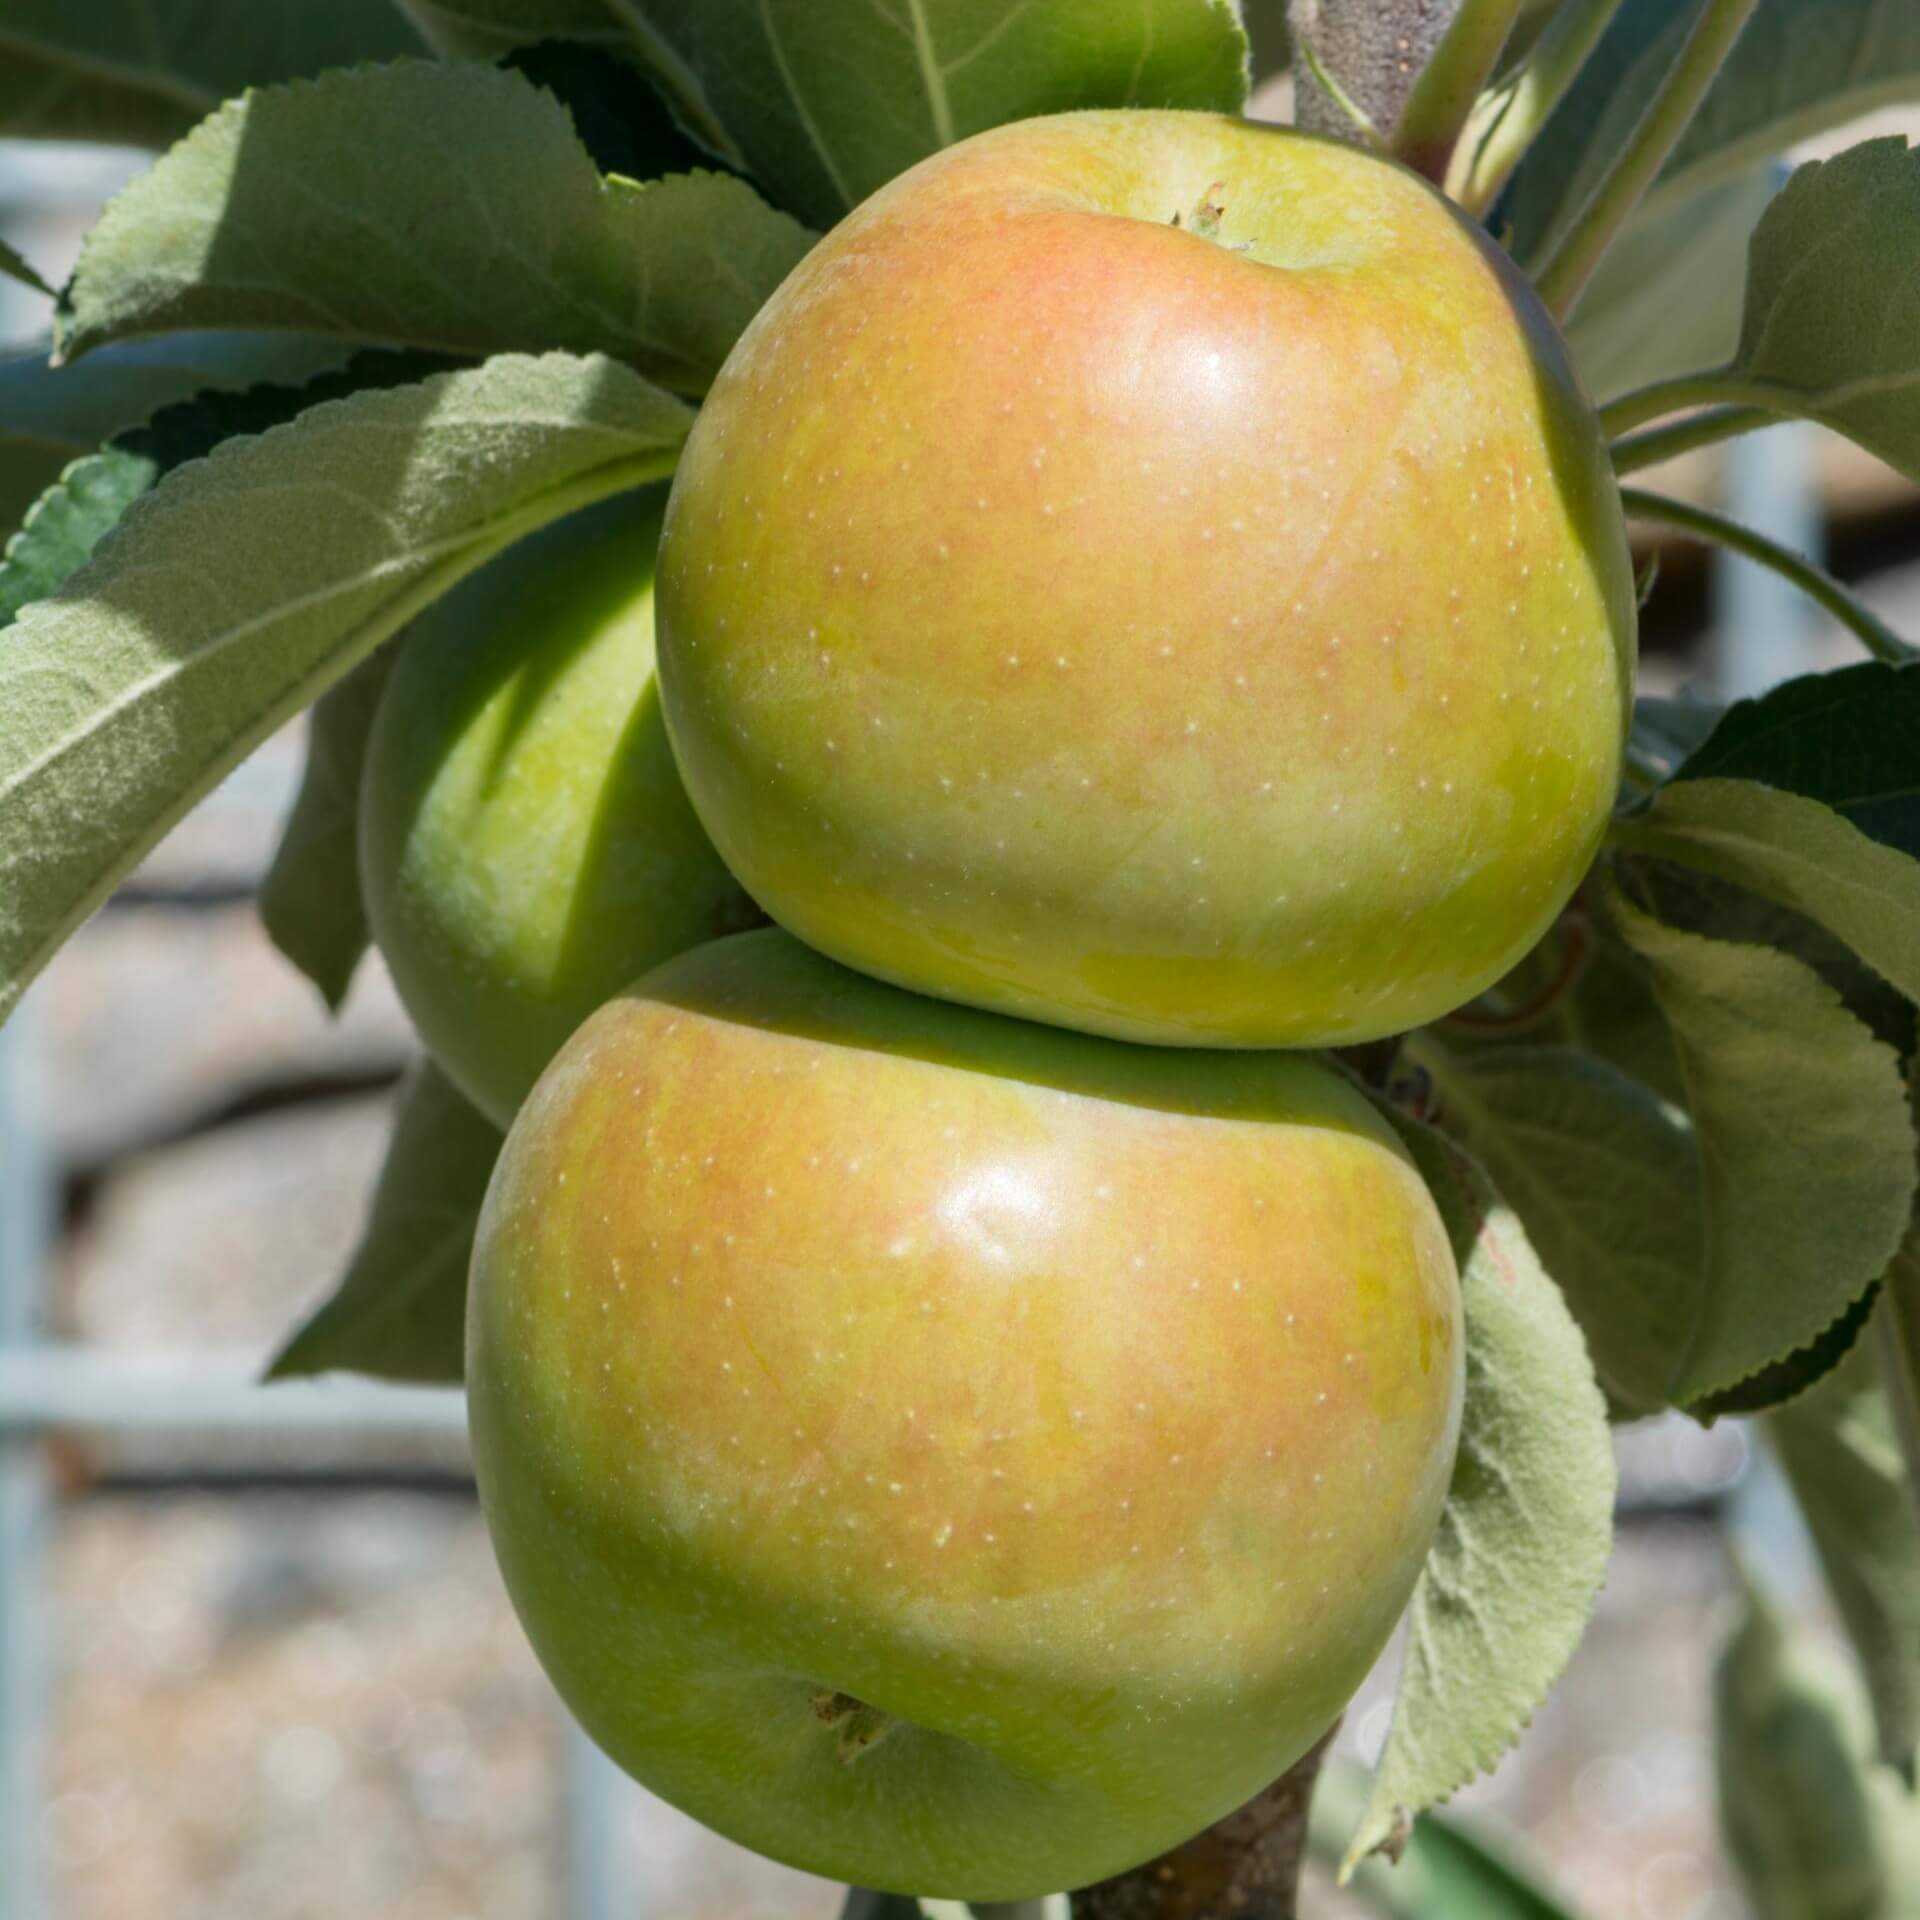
(526, 847)
(1157, 574)
(946, 1453)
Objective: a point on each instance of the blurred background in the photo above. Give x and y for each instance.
(236, 1628)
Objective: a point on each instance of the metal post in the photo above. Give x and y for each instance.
(603, 1864)
(26, 1496)
(1764, 629)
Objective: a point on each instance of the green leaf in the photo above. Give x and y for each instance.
(1614, 1014)
(485, 29)
(400, 1309)
(133, 72)
(1525, 1533)
(1668, 296)
(828, 99)
(1605, 1179)
(1452, 1866)
(1896, 1343)
(1784, 1381)
(1804, 1817)
(248, 582)
(1797, 852)
(310, 900)
(1844, 738)
(72, 517)
(1837, 1447)
(1806, 1148)
(51, 416)
(621, 118)
(1801, 67)
(1832, 323)
(1700, 902)
(67, 522)
(523, 244)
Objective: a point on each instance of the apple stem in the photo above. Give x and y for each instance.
(1582, 245)
(1507, 120)
(1704, 429)
(1440, 107)
(1246, 1866)
(1815, 582)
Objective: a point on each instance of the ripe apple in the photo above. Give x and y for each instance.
(1157, 574)
(944, 1453)
(526, 845)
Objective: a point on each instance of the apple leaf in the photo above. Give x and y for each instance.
(67, 522)
(1897, 1346)
(1832, 324)
(400, 1309)
(1813, 1824)
(1806, 1148)
(522, 245)
(1525, 1534)
(1844, 738)
(247, 583)
(72, 516)
(485, 29)
(1605, 1178)
(51, 416)
(1837, 1447)
(310, 900)
(1782, 1382)
(825, 100)
(1615, 1016)
(619, 114)
(488, 29)
(1701, 902)
(1796, 852)
(1668, 296)
(1800, 68)
(133, 73)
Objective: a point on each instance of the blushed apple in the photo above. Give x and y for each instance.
(944, 1453)
(1157, 574)
(526, 845)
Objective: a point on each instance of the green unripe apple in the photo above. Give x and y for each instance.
(526, 847)
(944, 1453)
(1157, 574)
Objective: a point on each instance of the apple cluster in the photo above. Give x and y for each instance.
(960, 1394)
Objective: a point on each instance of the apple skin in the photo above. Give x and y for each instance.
(526, 847)
(1065, 612)
(1087, 1409)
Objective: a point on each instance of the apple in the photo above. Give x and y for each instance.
(1157, 574)
(945, 1453)
(526, 845)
